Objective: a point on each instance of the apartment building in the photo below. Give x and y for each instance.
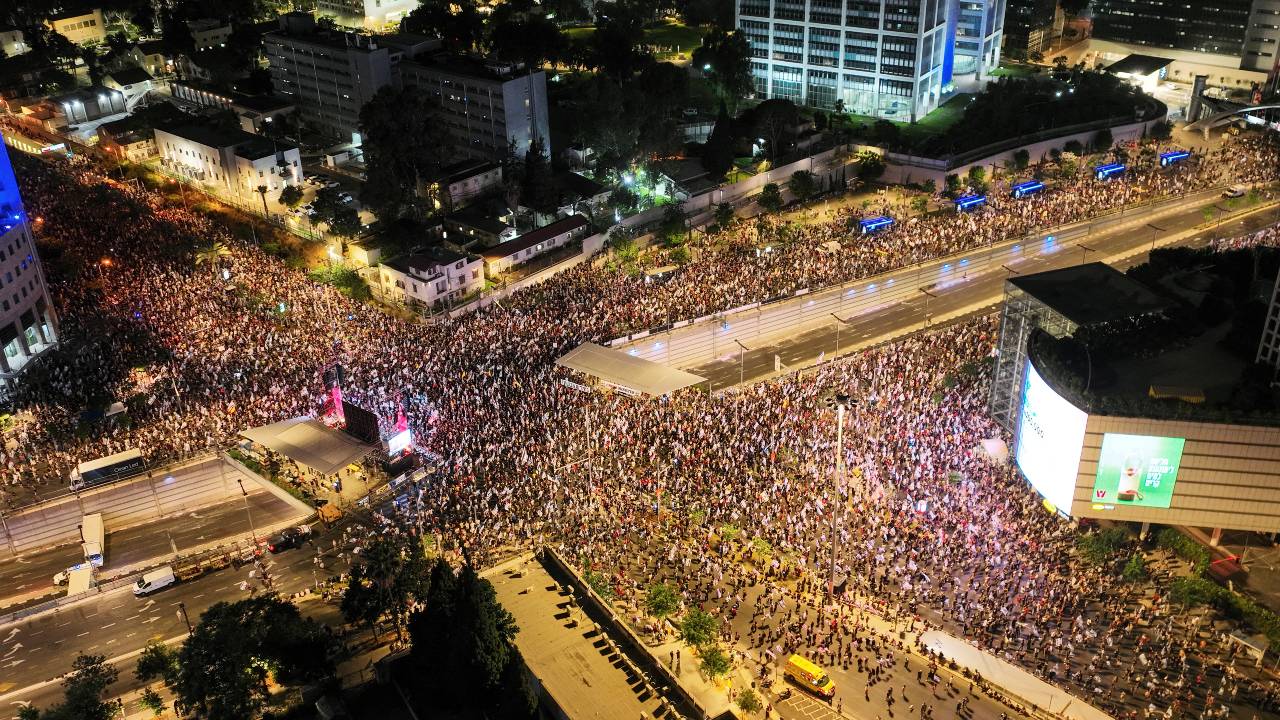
(368, 14)
(80, 28)
(484, 105)
(208, 33)
(436, 275)
(28, 324)
(329, 76)
(893, 59)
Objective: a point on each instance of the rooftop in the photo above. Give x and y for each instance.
(533, 237)
(247, 145)
(424, 261)
(261, 103)
(466, 169)
(1091, 294)
(483, 223)
(467, 66)
(129, 76)
(1139, 65)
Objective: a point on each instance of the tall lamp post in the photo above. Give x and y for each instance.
(253, 534)
(840, 402)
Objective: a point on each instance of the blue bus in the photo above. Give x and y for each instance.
(1173, 156)
(969, 202)
(1108, 171)
(871, 225)
(1028, 188)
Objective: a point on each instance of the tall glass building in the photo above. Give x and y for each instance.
(28, 325)
(893, 59)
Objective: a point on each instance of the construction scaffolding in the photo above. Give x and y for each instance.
(1022, 314)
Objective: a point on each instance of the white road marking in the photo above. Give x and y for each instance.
(131, 617)
(104, 627)
(86, 632)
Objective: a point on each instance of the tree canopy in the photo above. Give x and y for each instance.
(392, 575)
(403, 143)
(83, 690)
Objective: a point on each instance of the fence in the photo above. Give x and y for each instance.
(687, 343)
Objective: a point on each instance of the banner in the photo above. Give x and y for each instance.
(1138, 470)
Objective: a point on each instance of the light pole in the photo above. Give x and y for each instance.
(182, 610)
(927, 297)
(840, 402)
(253, 534)
(742, 349)
(839, 322)
(1085, 254)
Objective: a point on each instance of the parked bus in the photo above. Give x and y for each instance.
(93, 539)
(108, 469)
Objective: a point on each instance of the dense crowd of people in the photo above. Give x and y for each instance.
(940, 528)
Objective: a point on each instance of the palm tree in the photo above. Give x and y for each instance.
(262, 190)
(212, 255)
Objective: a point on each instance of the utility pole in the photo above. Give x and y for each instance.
(253, 534)
(182, 612)
(839, 322)
(841, 403)
(742, 349)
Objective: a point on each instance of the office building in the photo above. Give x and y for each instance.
(1028, 26)
(368, 14)
(329, 76)
(894, 59)
(234, 161)
(28, 324)
(1262, 38)
(208, 33)
(1208, 26)
(483, 105)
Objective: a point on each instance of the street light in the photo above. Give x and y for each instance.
(248, 513)
(742, 349)
(839, 323)
(840, 402)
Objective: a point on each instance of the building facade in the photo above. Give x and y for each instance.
(237, 162)
(1028, 26)
(1207, 26)
(369, 14)
(28, 323)
(1262, 38)
(484, 106)
(504, 256)
(892, 59)
(436, 276)
(82, 28)
(208, 33)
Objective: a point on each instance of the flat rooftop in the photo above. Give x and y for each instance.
(577, 674)
(1091, 294)
(1139, 65)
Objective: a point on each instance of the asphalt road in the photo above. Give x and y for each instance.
(986, 291)
(117, 623)
(152, 540)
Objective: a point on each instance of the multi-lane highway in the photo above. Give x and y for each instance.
(978, 293)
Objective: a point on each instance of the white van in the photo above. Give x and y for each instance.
(154, 580)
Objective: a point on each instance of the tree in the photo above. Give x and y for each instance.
(717, 152)
(770, 198)
(1102, 140)
(537, 187)
(772, 121)
(1074, 147)
(623, 199)
(803, 184)
(661, 600)
(725, 59)
(345, 222)
(262, 190)
(83, 691)
(749, 702)
(152, 701)
(1161, 130)
(953, 184)
(392, 576)
(978, 178)
(699, 628)
(531, 41)
(291, 196)
(403, 143)
(725, 215)
(673, 225)
(870, 165)
(213, 255)
(224, 664)
(157, 662)
(715, 662)
(1021, 159)
(458, 24)
(615, 45)
(1135, 570)
(886, 133)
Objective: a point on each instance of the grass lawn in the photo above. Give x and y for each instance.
(935, 123)
(671, 37)
(1016, 70)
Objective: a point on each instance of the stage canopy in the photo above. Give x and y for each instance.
(309, 442)
(627, 372)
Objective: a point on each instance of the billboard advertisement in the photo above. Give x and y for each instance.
(1050, 438)
(1137, 470)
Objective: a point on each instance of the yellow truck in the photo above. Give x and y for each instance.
(809, 676)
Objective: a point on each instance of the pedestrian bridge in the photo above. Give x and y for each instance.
(1224, 117)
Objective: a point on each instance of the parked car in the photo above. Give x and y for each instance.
(290, 537)
(1235, 191)
(155, 580)
(332, 184)
(346, 197)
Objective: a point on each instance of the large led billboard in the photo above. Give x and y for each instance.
(1050, 437)
(1138, 470)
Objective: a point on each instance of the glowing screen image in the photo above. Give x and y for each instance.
(1137, 470)
(1050, 437)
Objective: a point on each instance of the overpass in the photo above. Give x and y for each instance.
(1222, 118)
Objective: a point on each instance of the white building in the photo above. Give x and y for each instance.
(208, 33)
(12, 42)
(502, 257)
(134, 83)
(894, 59)
(438, 275)
(460, 183)
(236, 161)
(28, 324)
(80, 28)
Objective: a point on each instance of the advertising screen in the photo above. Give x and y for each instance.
(399, 442)
(1050, 437)
(1137, 470)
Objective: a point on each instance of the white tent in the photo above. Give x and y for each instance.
(310, 442)
(627, 372)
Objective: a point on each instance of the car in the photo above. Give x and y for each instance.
(290, 537)
(64, 577)
(332, 184)
(346, 197)
(1235, 191)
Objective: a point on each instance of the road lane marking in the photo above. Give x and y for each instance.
(197, 597)
(104, 627)
(83, 634)
(131, 617)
